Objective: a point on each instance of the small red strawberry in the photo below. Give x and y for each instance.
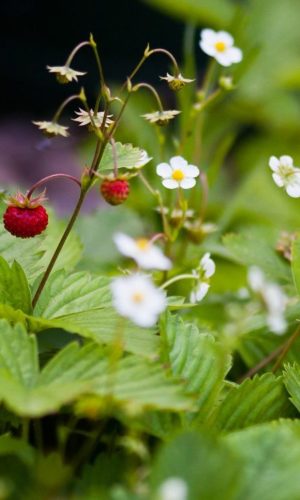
(25, 217)
(115, 191)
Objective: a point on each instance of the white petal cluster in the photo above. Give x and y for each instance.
(143, 251)
(52, 129)
(173, 488)
(219, 44)
(178, 173)
(286, 175)
(203, 273)
(135, 297)
(273, 298)
(84, 118)
(65, 74)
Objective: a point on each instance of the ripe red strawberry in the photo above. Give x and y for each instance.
(24, 217)
(115, 191)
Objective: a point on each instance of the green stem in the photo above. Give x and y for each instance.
(154, 92)
(286, 349)
(166, 52)
(59, 248)
(178, 278)
(63, 105)
(157, 195)
(74, 51)
(25, 429)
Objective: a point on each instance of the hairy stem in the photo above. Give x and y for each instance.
(59, 248)
(50, 178)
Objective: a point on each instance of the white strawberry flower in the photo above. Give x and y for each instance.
(173, 488)
(177, 174)
(135, 297)
(285, 174)
(203, 273)
(272, 297)
(143, 251)
(84, 118)
(219, 44)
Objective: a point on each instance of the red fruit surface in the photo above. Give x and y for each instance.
(115, 191)
(25, 222)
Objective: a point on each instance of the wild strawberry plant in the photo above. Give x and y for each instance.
(152, 351)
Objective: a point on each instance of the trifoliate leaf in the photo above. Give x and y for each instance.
(75, 371)
(256, 400)
(127, 156)
(197, 359)
(269, 457)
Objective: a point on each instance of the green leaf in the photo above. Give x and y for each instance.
(291, 378)
(33, 254)
(128, 157)
(269, 458)
(208, 467)
(197, 359)
(296, 263)
(254, 247)
(67, 294)
(210, 12)
(76, 371)
(97, 232)
(255, 401)
(14, 289)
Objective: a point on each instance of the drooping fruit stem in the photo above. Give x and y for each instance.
(44, 180)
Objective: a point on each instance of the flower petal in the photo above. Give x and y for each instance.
(208, 48)
(278, 180)
(223, 58)
(187, 183)
(191, 171)
(235, 54)
(286, 161)
(170, 183)
(274, 163)
(224, 36)
(164, 170)
(177, 162)
(208, 35)
(293, 187)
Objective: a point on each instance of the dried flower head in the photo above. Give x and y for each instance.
(52, 129)
(65, 74)
(176, 82)
(161, 117)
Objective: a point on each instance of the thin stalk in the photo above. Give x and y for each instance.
(74, 51)
(154, 92)
(115, 157)
(178, 278)
(160, 202)
(166, 52)
(58, 248)
(63, 105)
(50, 178)
(98, 61)
(134, 72)
(204, 200)
(286, 349)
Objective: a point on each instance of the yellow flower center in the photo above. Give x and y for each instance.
(220, 46)
(137, 297)
(177, 175)
(142, 244)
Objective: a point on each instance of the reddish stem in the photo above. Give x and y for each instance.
(49, 178)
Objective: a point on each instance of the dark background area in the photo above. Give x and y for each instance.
(35, 33)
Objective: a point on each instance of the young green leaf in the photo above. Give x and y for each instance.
(255, 401)
(14, 289)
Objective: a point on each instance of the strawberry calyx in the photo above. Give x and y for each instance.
(23, 201)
